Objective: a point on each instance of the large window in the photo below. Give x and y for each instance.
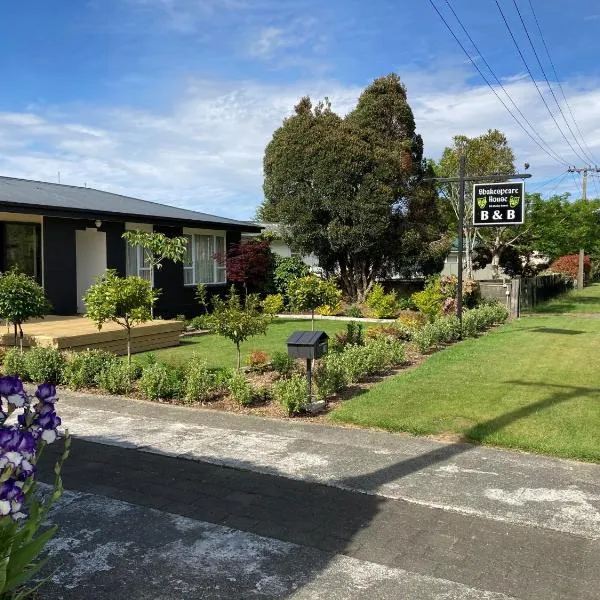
(21, 248)
(138, 264)
(205, 260)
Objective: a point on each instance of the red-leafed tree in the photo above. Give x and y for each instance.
(249, 263)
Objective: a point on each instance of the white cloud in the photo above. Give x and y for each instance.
(206, 151)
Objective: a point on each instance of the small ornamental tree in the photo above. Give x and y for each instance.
(236, 321)
(249, 263)
(158, 246)
(127, 301)
(569, 265)
(21, 299)
(311, 292)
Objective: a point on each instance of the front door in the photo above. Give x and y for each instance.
(90, 259)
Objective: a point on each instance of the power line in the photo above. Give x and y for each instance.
(551, 152)
(535, 82)
(539, 62)
(491, 86)
(576, 179)
(562, 177)
(539, 186)
(557, 78)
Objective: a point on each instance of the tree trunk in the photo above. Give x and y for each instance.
(16, 343)
(239, 356)
(495, 264)
(128, 345)
(312, 319)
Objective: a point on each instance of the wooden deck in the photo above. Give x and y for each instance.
(78, 333)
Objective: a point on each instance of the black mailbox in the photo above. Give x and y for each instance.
(307, 344)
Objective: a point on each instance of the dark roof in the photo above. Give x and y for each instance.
(305, 338)
(60, 198)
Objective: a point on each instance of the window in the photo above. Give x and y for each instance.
(22, 248)
(205, 260)
(138, 264)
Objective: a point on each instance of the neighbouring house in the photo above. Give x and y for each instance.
(65, 236)
(451, 266)
(280, 247)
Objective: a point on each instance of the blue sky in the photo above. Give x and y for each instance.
(174, 100)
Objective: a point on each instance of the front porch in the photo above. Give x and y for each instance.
(79, 333)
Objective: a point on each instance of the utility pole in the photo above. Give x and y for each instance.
(584, 172)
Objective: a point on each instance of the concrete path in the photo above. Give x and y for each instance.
(325, 511)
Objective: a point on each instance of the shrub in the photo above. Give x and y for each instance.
(330, 377)
(284, 364)
(44, 364)
(412, 320)
(569, 265)
(385, 353)
(406, 303)
(354, 311)
(469, 324)
(14, 363)
(117, 377)
(287, 269)
(448, 329)
(241, 389)
(160, 380)
(292, 394)
(425, 338)
(200, 323)
(199, 382)
(382, 305)
(352, 336)
(258, 360)
(82, 368)
(395, 331)
(222, 376)
(429, 301)
(273, 304)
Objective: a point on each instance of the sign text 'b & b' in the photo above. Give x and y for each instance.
(498, 204)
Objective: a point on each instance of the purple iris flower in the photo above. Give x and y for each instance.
(49, 420)
(46, 392)
(10, 385)
(11, 497)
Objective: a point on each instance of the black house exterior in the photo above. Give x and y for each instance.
(65, 236)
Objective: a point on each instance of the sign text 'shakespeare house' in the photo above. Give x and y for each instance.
(498, 204)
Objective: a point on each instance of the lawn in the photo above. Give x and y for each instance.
(220, 352)
(584, 301)
(532, 384)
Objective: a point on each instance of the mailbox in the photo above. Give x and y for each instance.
(307, 344)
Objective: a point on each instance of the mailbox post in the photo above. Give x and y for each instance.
(308, 345)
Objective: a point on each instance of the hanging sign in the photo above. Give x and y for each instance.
(498, 204)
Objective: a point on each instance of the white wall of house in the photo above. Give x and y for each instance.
(451, 268)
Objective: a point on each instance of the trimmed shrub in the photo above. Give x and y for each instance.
(117, 377)
(425, 338)
(331, 376)
(258, 360)
(82, 368)
(292, 394)
(382, 305)
(14, 363)
(354, 311)
(283, 364)
(411, 319)
(241, 389)
(44, 365)
(160, 380)
(198, 382)
(395, 331)
(200, 323)
(273, 304)
(352, 336)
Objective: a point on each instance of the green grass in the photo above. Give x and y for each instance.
(220, 352)
(533, 384)
(584, 301)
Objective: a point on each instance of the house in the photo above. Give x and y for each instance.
(280, 247)
(65, 236)
(451, 266)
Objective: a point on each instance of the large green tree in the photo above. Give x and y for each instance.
(350, 189)
(485, 154)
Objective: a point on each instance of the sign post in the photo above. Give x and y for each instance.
(498, 204)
